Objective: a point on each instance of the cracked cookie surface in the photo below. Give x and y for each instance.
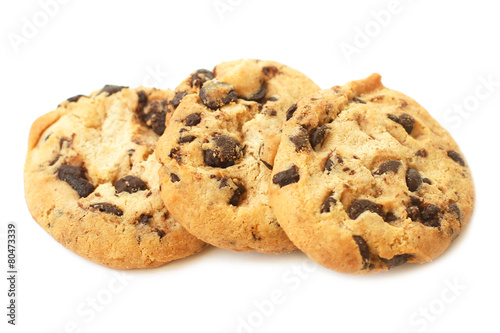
(218, 150)
(91, 178)
(365, 179)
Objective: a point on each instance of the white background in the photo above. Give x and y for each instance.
(438, 52)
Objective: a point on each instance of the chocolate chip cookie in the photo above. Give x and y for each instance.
(91, 178)
(366, 180)
(218, 150)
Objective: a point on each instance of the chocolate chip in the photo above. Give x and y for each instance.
(142, 98)
(107, 208)
(144, 219)
(174, 178)
(272, 99)
(434, 222)
(453, 208)
(54, 161)
(340, 160)
(259, 94)
(422, 153)
(404, 120)
(416, 201)
(201, 76)
(427, 181)
(301, 141)
(130, 184)
(178, 98)
(186, 139)
(235, 199)
(407, 122)
(215, 94)
(153, 114)
(270, 71)
(291, 111)
(287, 177)
(396, 261)
(255, 237)
(75, 177)
(176, 154)
(427, 214)
(226, 152)
(413, 213)
(318, 136)
(329, 165)
(236, 185)
(111, 89)
(160, 233)
(430, 212)
(75, 98)
(328, 204)
(269, 166)
(456, 157)
(388, 166)
(193, 119)
(393, 117)
(362, 205)
(224, 182)
(364, 250)
(390, 217)
(358, 100)
(62, 141)
(413, 179)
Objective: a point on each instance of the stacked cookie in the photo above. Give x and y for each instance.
(249, 156)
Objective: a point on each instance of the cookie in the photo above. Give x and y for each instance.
(91, 179)
(365, 180)
(218, 148)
